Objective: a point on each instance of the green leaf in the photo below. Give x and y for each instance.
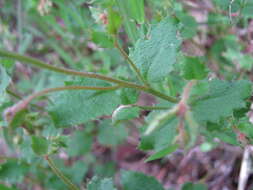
(192, 186)
(155, 56)
(162, 153)
(114, 22)
(75, 172)
(102, 39)
(14, 171)
(193, 68)
(137, 10)
(129, 96)
(107, 130)
(138, 181)
(79, 143)
(18, 119)
(221, 100)
(3, 187)
(188, 25)
(129, 24)
(40, 145)
(105, 170)
(160, 138)
(76, 107)
(104, 184)
(222, 130)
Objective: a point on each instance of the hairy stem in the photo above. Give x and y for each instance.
(130, 62)
(122, 83)
(41, 64)
(12, 111)
(57, 172)
(49, 90)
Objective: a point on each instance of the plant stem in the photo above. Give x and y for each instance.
(60, 174)
(151, 107)
(20, 98)
(13, 94)
(49, 90)
(122, 83)
(43, 65)
(12, 111)
(130, 62)
(161, 95)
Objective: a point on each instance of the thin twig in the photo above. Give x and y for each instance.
(60, 174)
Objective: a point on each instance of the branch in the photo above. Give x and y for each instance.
(41, 64)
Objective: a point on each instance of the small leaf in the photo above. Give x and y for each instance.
(79, 143)
(162, 153)
(138, 181)
(155, 56)
(102, 39)
(193, 68)
(137, 10)
(221, 100)
(192, 186)
(114, 22)
(161, 138)
(188, 25)
(76, 107)
(104, 184)
(40, 145)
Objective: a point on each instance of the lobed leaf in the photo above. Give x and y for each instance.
(76, 107)
(138, 181)
(221, 100)
(155, 56)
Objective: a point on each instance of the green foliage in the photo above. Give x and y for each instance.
(39, 145)
(156, 55)
(137, 181)
(76, 107)
(114, 22)
(79, 143)
(191, 186)
(197, 71)
(3, 187)
(162, 153)
(13, 171)
(160, 139)
(193, 68)
(104, 184)
(106, 130)
(221, 94)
